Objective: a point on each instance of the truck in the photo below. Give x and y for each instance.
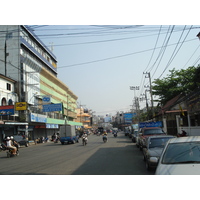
(68, 134)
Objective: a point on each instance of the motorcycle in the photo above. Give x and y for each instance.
(9, 151)
(183, 134)
(56, 140)
(84, 141)
(105, 139)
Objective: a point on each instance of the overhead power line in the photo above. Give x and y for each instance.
(120, 56)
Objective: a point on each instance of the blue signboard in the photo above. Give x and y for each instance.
(151, 124)
(128, 117)
(38, 118)
(52, 107)
(46, 99)
(52, 126)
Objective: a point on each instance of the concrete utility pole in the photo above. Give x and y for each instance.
(149, 76)
(136, 100)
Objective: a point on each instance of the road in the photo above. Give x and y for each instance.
(119, 156)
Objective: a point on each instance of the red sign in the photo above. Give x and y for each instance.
(7, 110)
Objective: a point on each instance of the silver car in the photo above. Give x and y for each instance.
(153, 148)
(181, 156)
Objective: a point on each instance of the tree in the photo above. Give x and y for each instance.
(178, 81)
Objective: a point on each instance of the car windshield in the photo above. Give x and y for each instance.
(158, 142)
(187, 152)
(153, 131)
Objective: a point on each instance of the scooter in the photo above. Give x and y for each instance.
(56, 140)
(84, 141)
(183, 134)
(10, 153)
(105, 139)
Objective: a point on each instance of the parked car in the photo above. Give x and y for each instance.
(153, 148)
(181, 156)
(147, 132)
(21, 140)
(130, 134)
(135, 136)
(126, 132)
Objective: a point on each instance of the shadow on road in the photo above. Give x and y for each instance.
(114, 161)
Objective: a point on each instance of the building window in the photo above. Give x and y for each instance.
(9, 86)
(3, 102)
(10, 102)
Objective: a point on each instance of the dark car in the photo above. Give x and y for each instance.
(21, 140)
(135, 136)
(153, 148)
(147, 132)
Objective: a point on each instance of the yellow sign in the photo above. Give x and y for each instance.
(21, 106)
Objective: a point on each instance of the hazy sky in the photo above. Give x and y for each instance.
(99, 63)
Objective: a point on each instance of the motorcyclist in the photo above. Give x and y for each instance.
(14, 142)
(105, 134)
(84, 137)
(10, 145)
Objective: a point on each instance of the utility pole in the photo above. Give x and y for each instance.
(149, 76)
(136, 100)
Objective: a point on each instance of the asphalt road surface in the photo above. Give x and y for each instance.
(119, 156)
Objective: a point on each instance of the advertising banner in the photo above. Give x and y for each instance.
(128, 117)
(7, 110)
(151, 124)
(52, 107)
(20, 106)
(38, 118)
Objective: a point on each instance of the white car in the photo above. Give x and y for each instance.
(181, 156)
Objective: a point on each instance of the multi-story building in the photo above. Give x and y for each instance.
(26, 60)
(83, 117)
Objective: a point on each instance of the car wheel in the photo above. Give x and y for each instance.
(147, 166)
(26, 145)
(73, 141)
(62, 143)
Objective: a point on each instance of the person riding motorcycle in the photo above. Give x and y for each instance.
(14, 142)
(84, 137)
(10, 145)
(105, 134)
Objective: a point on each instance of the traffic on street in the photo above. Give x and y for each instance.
(118, 156)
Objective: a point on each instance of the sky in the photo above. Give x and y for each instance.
(99, 63)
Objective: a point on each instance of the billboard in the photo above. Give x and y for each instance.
(52, 107)
(38, 118)
(128, 117)
(151, 124)
(7, 110)
(107, 119)
(20, 106)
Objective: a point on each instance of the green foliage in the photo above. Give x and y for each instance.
(178, 81)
